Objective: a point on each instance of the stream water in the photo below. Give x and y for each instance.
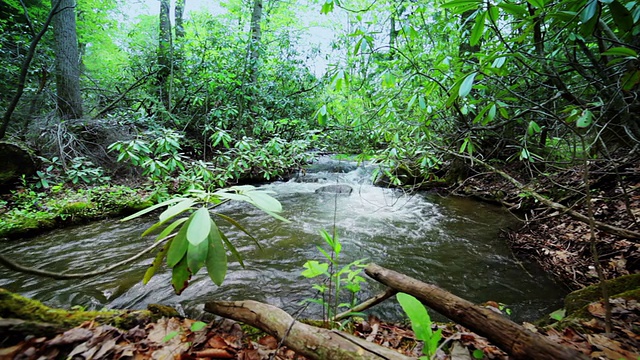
(451, 242)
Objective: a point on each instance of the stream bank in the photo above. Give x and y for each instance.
(554, 240)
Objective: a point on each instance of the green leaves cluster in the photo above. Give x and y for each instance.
(199, 242)
(339, 278)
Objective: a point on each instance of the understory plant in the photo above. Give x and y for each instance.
(336, 280)
(195, 241)
(421, 324)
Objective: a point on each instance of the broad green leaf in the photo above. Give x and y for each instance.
(264, 201)
(421, 102)
(494, 14)
(533, 128)
(466, 85)
(170, 335)
(516, 10)
(176, 209)
(585, 119)
(216, 256)
(180, 276)
(232, 248)
(538, 4)
(459, 3)
(327, 8)
(240, 227)
(151, 208)
(478, 29)
(589, 11)
(621, 16)
(314, 268)
(231, 196)
(164, 233)
(199, 226)
(498, 62)
(197, 256)
(420, 322)
(621, 51)
(157, 261)
(490, 115)
(179, 245)
(630, 79)
(198, 325)
(558, 314)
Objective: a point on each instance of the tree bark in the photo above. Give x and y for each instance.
(180, 19)
(507, 335)
(310, 341)
(69, 98)
(164, 55)
(254, 45)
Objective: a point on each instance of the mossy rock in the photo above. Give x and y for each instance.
(580, 298)
(76, 207)
(15, 306)
(24, 225)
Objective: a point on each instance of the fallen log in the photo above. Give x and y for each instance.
(307, 340)
(504, 333)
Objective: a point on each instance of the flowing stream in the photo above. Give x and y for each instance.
(451, 242)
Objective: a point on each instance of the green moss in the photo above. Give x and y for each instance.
(135, 206)
(76, 207)
(16, 306)
(23, 224)
(19, 307)
(579, 298)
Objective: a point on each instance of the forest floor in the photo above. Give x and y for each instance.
(560, 243)
(180, 338)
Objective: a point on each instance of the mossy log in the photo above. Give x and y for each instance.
(580, 298)
(310, 341)
(514, 339)
(14, 306)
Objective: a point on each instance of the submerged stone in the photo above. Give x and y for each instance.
(335, 189)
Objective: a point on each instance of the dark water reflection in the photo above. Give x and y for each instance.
(451, 242)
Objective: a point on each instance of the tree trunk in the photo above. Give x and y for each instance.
(254, 45)
(507, 335)
(67, 61)
(179, 19)
(164, 55)
(310, 341)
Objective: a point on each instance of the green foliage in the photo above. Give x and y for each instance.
(338, 280)
(199, 242)
(421, 323)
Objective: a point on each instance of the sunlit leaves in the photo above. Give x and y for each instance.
(216, 256)
(621, 51)
(478, 28)
(538, 4)
(322, 115)
(420, 322)
(589, 11)
(621, 16)
(466, 85)
(199, 226)
(314, 268)
(199, 242)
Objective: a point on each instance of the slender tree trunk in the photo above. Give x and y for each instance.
(179, 19)
(254, 46)
(164, 55)
(67, 61)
